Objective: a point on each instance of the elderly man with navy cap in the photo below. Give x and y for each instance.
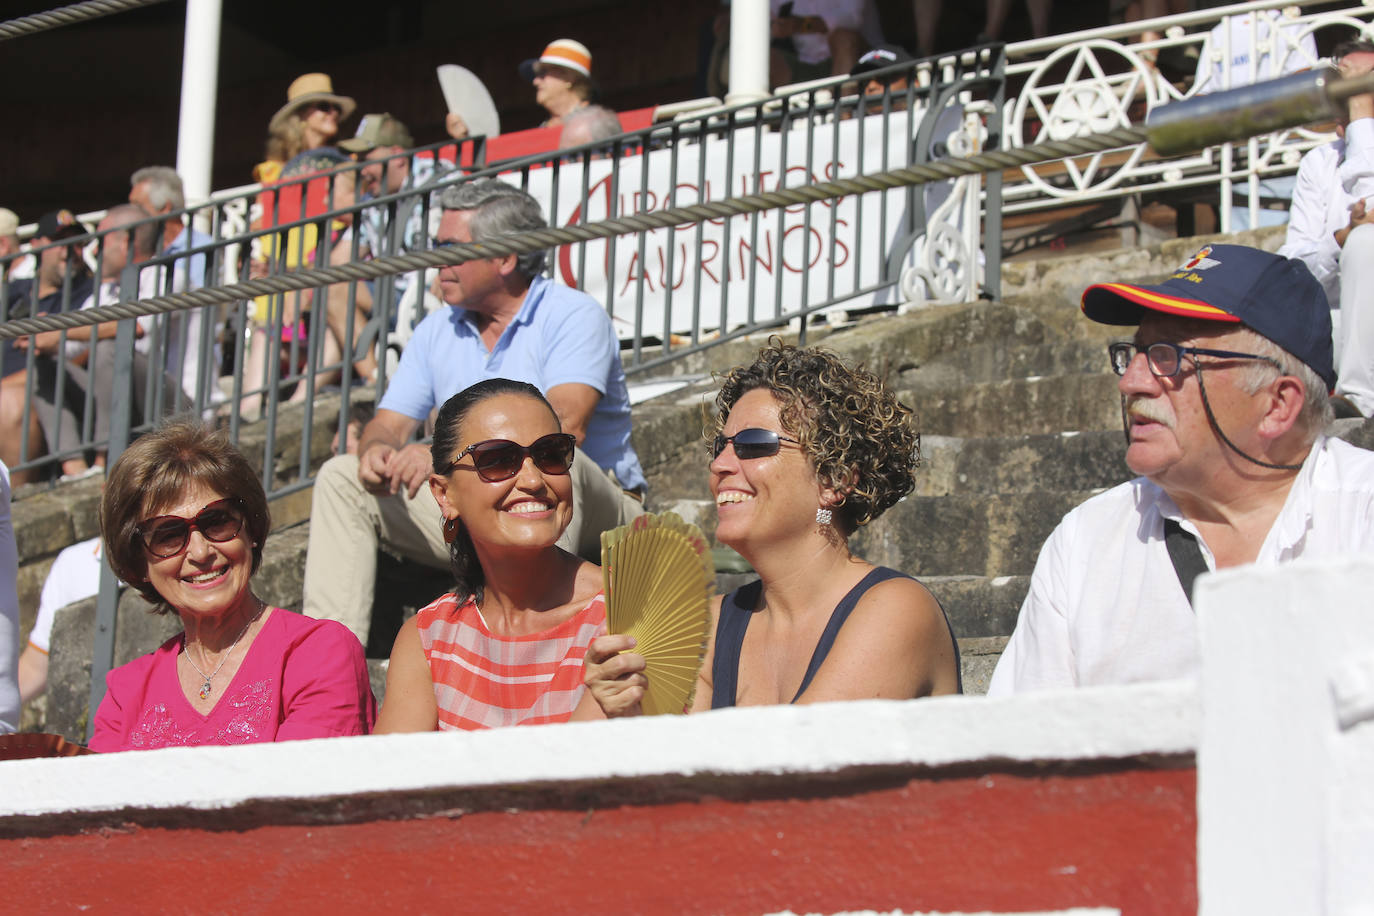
(1224, 397)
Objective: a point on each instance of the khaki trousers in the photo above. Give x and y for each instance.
(348, 525)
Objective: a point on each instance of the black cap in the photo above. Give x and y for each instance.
(880, 59)
(59, 224)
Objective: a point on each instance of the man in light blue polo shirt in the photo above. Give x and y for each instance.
(507, 321)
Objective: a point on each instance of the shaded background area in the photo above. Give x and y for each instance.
(89, 104)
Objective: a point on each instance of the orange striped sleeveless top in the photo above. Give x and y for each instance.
(486, 681)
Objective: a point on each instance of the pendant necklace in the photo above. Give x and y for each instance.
(186, 653)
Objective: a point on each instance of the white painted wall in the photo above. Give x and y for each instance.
(1099, 724)
(1286, 757)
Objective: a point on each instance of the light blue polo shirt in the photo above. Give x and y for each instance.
(559, 336)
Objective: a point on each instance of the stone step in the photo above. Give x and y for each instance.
(670, 440)
(1000, 359)
(1024, 406)
(887, 340)
(934, 354)
(965, 533)
(1067, 461)
(979, 607)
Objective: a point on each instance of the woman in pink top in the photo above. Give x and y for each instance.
(506, 646)
(184, 518)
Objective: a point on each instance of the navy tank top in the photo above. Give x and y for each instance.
(738, 607)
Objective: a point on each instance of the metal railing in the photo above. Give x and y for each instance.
(678, 290)
(1079, 84)
(55, 412)
(254, 358)
(674, 291)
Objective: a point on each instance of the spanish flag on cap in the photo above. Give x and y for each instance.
(1275, 296)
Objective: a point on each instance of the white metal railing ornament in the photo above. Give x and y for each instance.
(1094, 96)
(1081, 83)
(948, 258)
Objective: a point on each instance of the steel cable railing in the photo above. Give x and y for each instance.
(1194, 124)
(553, 237)
(67, 15)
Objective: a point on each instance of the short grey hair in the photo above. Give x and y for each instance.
(498, 210)
(599, 122)
(145, 233)
(1316, 413)
(164, 186)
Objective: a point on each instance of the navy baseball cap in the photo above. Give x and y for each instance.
(1274, 296)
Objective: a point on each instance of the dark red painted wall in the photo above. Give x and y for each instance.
(999, 842)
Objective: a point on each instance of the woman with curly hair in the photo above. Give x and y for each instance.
(806, 450)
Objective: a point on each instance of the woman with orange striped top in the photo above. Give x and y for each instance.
(505, 647)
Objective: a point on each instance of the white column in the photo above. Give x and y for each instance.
(199, 87)
(748, 51)
(1285, 800)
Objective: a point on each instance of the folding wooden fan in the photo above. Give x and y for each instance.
(659, 579)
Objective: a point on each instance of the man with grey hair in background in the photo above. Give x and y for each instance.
(126, 238)
(157, 190)
(1224, 398)
(506, 320)
(588, 125)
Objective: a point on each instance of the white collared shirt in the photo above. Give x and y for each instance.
(1330, 179)
(1105, 605)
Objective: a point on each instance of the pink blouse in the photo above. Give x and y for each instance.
(301, 678)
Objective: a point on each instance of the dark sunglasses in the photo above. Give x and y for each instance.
(496, 460)
(750, 443)
(166, 536)
(328, 107)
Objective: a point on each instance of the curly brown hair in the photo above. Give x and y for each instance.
(861, 440)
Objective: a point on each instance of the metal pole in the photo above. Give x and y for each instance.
(199, 85)
(748, 52)
(121, 419)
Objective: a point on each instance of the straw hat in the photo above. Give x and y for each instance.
(312, 87)
(563, 52)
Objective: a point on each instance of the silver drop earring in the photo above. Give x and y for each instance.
(823, 516)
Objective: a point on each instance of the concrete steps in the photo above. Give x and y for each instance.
(1026, 405)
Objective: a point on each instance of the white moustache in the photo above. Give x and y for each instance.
(1148, 410)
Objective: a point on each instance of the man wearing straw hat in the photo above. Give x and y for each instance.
(1224, 398)
(562, 78)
